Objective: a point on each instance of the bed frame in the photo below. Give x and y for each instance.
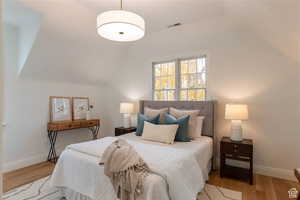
(207, 109)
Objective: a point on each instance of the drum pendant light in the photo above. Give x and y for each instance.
(120, 25)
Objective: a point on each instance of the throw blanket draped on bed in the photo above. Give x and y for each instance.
(126, 170)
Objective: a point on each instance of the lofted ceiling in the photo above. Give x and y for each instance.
(276, 22)
(66, 41)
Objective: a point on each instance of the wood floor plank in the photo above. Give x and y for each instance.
(264, 187)
(26, 175)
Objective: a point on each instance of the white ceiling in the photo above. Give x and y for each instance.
(78, 17)
(275, 21)
(67, 41)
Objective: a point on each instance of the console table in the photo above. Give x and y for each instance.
(55, 127)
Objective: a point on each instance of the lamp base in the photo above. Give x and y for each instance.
(236, 131)
(126, 121)
(236, 137)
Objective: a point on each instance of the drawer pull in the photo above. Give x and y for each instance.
(235, 146)
(235, 151)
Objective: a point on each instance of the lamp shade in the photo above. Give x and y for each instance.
(120, 25)
(126, 108)
(236, 112)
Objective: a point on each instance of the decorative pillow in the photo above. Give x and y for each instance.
(159, 133)
(140, 122)
(183, 125)
(199, 125)
(193, 119)
(154, 112)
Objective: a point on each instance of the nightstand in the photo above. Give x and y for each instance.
(121, 130)
(240, 151)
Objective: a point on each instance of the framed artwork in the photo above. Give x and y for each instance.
(60, 109)
(80, 107)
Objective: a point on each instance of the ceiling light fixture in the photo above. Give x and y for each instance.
(120, 25)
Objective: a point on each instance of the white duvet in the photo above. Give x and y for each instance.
(77, 169)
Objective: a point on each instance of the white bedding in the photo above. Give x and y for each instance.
(184, 165)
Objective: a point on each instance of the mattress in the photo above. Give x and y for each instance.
(79, 175)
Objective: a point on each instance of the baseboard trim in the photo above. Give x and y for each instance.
(267, 171)
(32, 160)
(275, 172)
(11, 166)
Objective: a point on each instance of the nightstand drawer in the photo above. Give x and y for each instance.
(237, 149)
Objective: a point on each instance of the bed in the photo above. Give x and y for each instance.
(184, 164)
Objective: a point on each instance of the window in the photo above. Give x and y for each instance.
(181, 79)
(165, 81)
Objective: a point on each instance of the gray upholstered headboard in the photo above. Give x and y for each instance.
(206, 109)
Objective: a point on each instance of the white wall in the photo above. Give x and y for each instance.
(242, 68)
(26, 110)
(1, 97)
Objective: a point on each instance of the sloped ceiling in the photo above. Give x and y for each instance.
(67, 47)
(276, 22)
(28, 23)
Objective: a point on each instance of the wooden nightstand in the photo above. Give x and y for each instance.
(241, 151)
(121, 130)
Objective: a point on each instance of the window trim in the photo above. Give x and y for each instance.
(177, 76)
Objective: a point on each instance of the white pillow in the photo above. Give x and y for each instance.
(199, 124)
(159, 133)
(192, 121)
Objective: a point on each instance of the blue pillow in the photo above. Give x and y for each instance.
(140, 122)
(183, 124)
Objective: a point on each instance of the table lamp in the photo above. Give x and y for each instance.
(236, 113)
(126, 109)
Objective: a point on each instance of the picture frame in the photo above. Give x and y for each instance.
(80, 107)
(60, 109)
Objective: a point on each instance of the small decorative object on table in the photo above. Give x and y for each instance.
(80, 107)
(88, 112)
(240, 151)
(126, 109)
(121, 130)
(236, 113)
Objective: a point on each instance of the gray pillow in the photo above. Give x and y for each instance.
(150, 112)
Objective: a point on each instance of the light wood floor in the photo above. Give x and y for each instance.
(26, 175)
(264, 187)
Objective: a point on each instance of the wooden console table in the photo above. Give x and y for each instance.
(55, 127)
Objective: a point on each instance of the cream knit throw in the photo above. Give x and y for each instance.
(126, 170)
